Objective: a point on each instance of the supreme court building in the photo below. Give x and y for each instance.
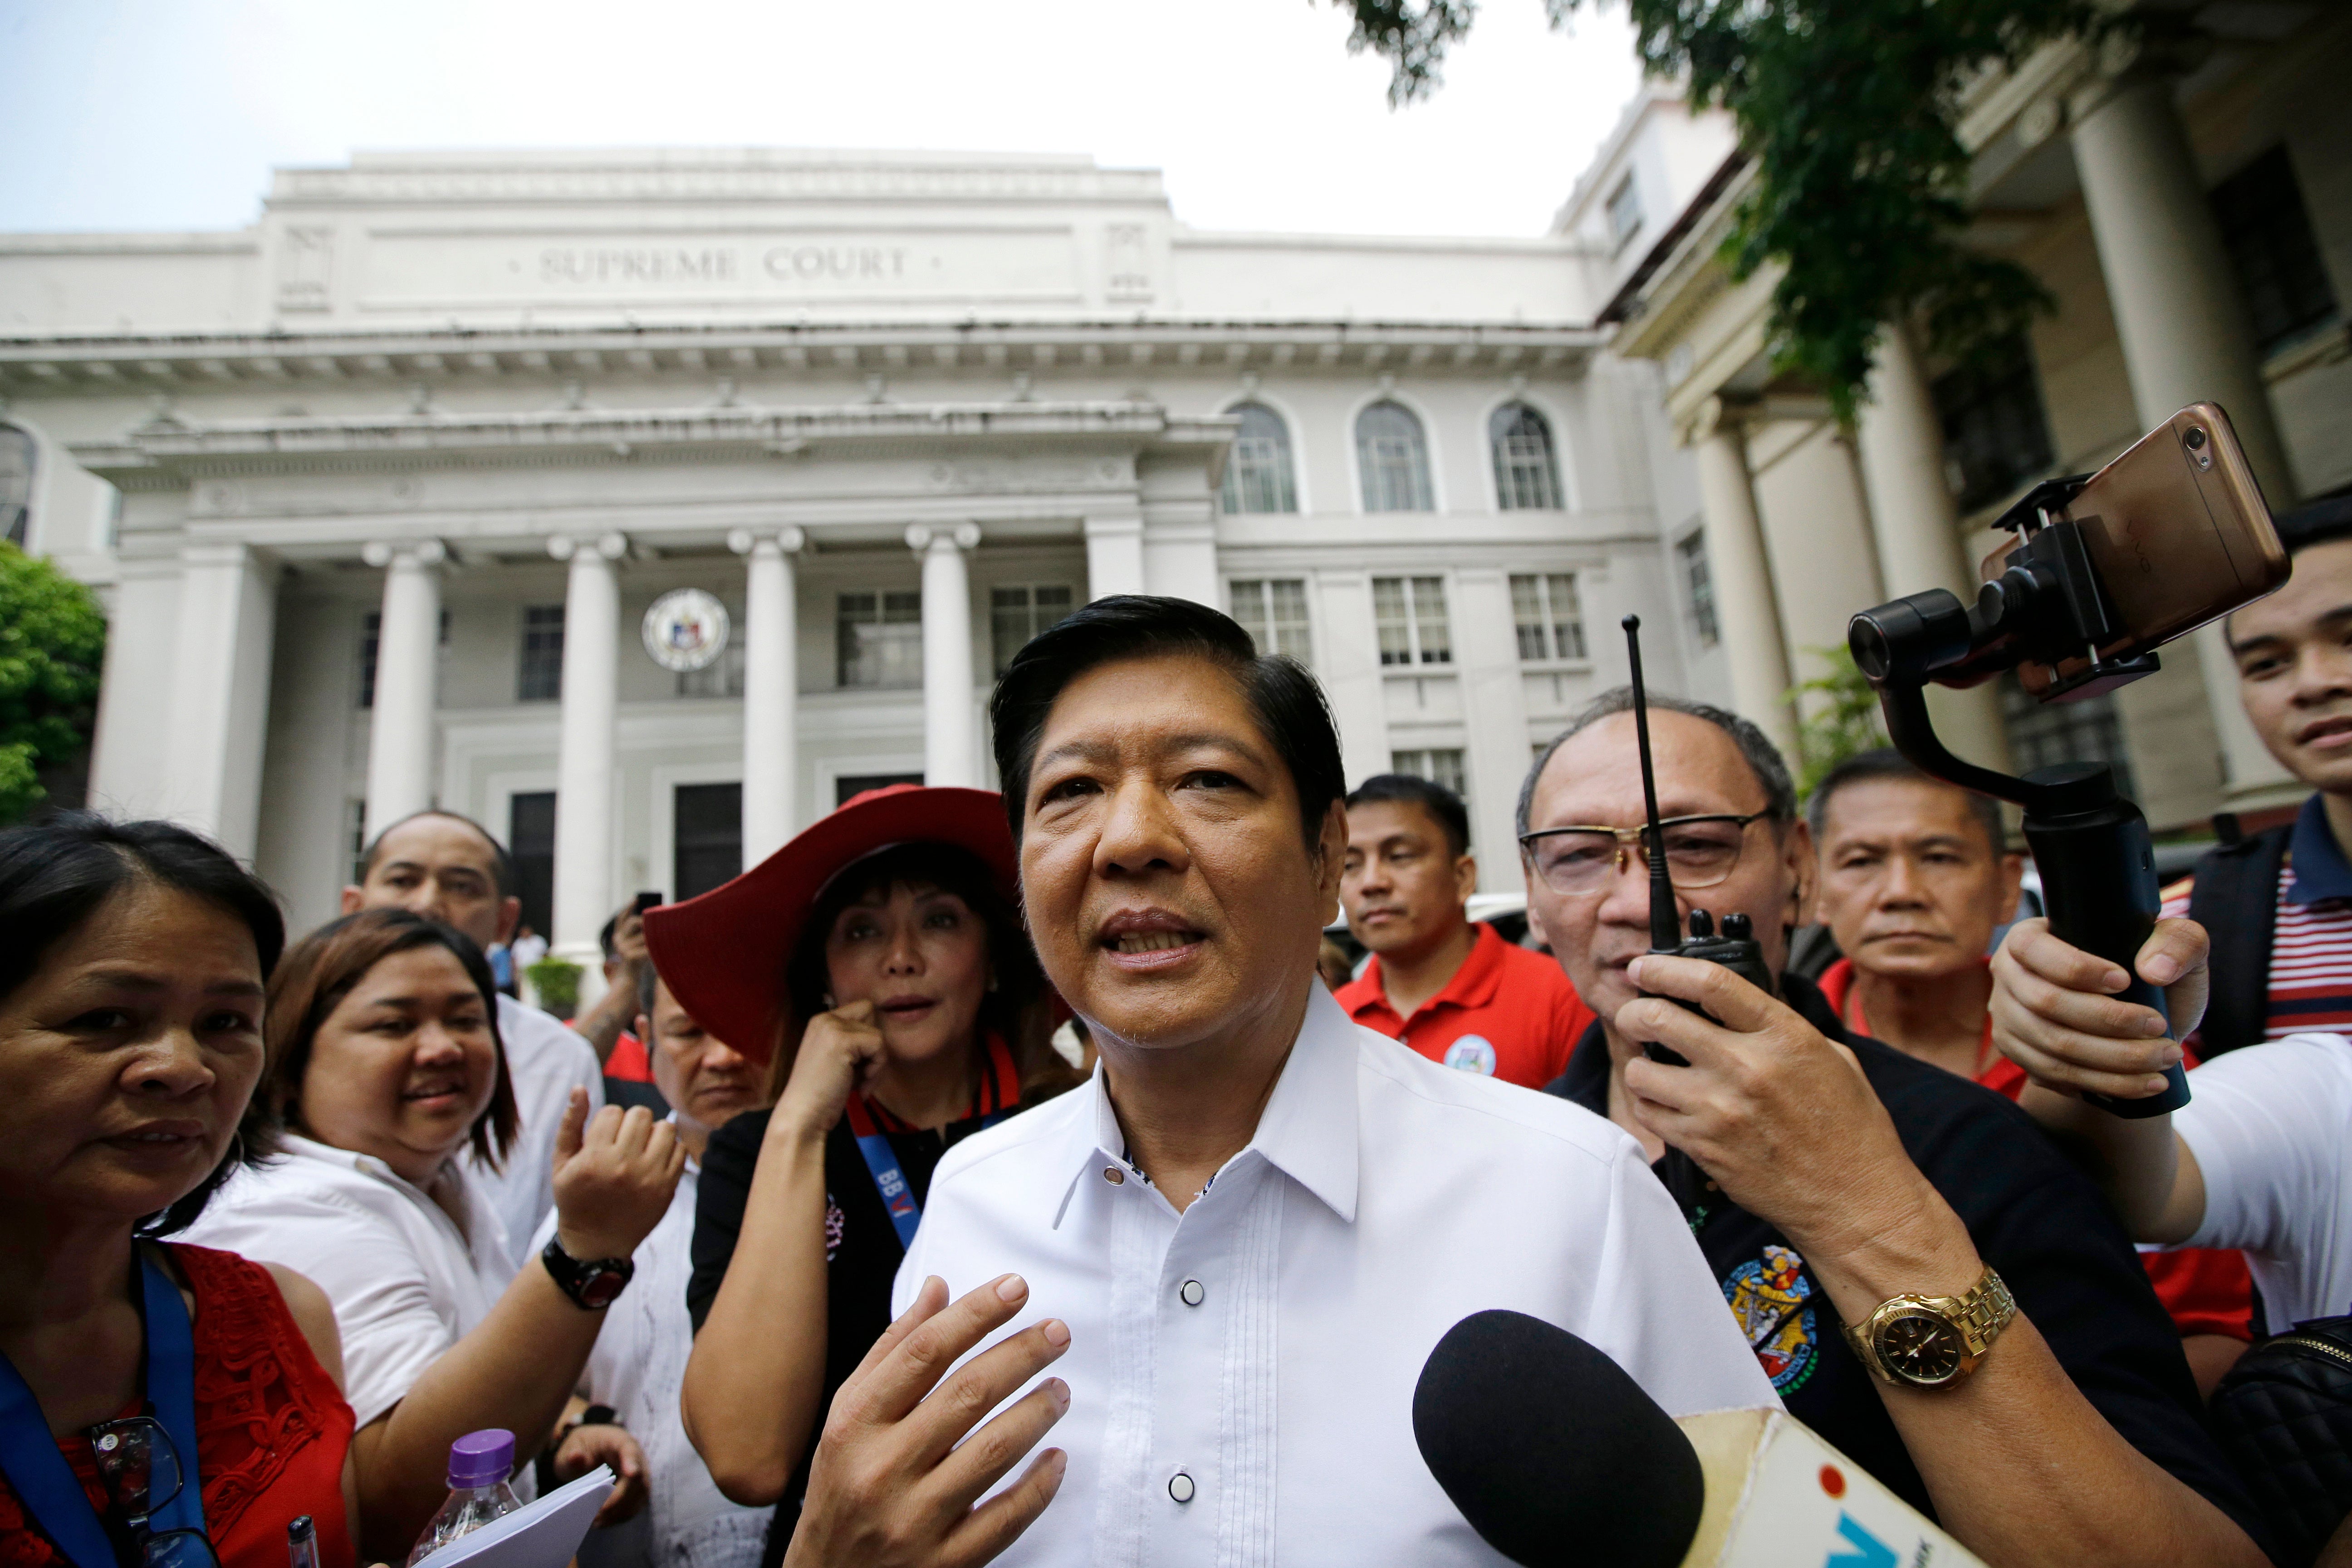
(645, 505)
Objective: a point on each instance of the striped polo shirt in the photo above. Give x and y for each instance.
(2310, 939)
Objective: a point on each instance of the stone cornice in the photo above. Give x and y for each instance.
(749, 175)
(168, 453)
(156, 361)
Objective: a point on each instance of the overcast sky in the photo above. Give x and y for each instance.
(167, 114)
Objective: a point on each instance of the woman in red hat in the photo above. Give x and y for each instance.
(879, 961)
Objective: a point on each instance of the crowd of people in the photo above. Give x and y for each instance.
(969, 1119)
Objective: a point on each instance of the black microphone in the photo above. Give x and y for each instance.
(1556, 1457)
(1551, 1451)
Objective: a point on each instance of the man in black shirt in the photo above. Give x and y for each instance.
(2038, 1403)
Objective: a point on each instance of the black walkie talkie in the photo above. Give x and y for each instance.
(1736, 949)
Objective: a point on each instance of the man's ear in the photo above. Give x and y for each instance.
(355, 899)
(2012, 886)
(1332, 857)
(1466, 877)
(509, 916)
(1804, 872)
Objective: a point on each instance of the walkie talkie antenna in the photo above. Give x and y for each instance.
(1665, 914)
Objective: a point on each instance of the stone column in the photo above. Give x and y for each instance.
(2185, 339)
(584, 754)
(220, 684)
(770, 689)
(1747, 611)
(1916, 523)
(1114, 556)
(951, 733)
(407, 661)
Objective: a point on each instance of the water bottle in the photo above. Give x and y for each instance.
(479, 1463)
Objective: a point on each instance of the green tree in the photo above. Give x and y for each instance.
(1849, 111)
(52, 638)
(1846, 725)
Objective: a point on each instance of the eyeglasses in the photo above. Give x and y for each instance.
(143, 1473)
(1701, 851)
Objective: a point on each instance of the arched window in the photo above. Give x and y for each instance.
(1257, 476)
(15, 485)
(1393, 459)
(1525, 476)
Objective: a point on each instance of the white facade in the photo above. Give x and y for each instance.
(455, 392)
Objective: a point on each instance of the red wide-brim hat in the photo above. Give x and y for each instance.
(724, 955)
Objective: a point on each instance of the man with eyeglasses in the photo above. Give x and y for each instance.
(1453, 991)
(1928, 1283)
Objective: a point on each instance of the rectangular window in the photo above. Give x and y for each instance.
(848, 786)
(1995, 435)
(2267, 231)
(1410, 613)
(1441, 765)
(1699, 583)
(1624, 211)
(1550, 620)
(531, 842)
(706, 837)
(542, 676)
(1019, 612)
(355, 834)
(1273, 610)
(878, 639)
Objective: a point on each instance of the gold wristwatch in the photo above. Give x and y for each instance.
(1928, 1341)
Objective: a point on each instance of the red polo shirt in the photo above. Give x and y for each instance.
(2206, 1291)
(1508, 1012)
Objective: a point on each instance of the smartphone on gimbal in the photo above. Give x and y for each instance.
(2178, 535)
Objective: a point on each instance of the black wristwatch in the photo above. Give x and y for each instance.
(591, 1283)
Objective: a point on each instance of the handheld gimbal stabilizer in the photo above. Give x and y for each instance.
(2091, 846)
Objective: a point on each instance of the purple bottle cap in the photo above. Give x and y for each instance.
(481, 1459)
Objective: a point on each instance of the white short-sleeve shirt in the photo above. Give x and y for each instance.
(547, 1059)
(407, 1282)
(2271, 1126)
(1265, 1342)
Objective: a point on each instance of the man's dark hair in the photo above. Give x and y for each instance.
(1762, 757)
(57, 876)
(2322, 522)
(1286, 702)
(501, 867)
(1445, 808)
(1886, 763)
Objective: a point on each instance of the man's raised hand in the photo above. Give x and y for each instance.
(895, 1478)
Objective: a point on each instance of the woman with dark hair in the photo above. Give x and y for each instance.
(385, 1065)
(132, 959)
(876, 964)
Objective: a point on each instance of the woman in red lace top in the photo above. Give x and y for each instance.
(132, 957)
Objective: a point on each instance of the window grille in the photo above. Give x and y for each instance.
(1394, 459)
(1018, 612)
(1624, 211)
(1257, 475)
(1439, 765)
(1698, 582)
(16, 485)
(542, 677)
(1549, 619)
(1410, 616)
(1995, 436)
(2089, 729)
(1273, 610)
(879, 640)
(1527, 477)
(2267, 231)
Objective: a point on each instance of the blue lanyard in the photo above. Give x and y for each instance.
(882, 1161)
(45, 1483)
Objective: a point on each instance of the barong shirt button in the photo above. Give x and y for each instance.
(1192, 1293)
(1112, 1175)
(1180, 1487)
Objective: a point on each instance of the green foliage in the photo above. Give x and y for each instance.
(1849, 109)
(556, 983)
(1847, 725)
(52, 639)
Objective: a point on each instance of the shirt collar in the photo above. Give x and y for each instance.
(2320, 870)
(1474, 983)
(1308, 1130)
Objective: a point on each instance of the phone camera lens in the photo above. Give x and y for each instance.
(2196, 438)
